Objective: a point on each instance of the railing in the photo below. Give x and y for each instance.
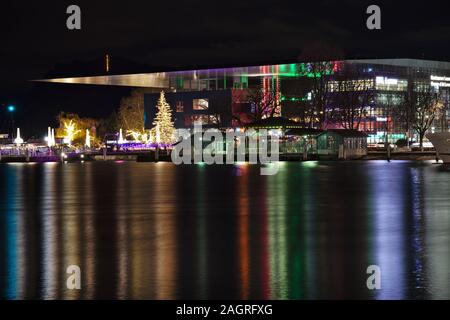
(25, 152)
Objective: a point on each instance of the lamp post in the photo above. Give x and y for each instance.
(11, 108)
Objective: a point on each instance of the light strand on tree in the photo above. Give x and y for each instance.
(163, 125)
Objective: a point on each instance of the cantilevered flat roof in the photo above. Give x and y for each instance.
(147, 80)
(163, 80)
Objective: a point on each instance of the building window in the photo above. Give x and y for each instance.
(180, 106)
(203, 119)
(200, 104)
(351, 85)
(390, 84)
(330, 142)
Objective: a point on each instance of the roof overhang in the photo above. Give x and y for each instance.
(163, 80)
(147, 80)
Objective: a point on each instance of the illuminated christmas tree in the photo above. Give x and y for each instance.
(163, 121)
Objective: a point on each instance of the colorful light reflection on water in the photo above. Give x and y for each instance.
(159, 231)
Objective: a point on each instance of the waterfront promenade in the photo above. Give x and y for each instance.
(22, 155)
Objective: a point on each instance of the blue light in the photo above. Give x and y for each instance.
(11, 108)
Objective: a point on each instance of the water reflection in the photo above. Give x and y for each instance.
(436, 252)
(390, 208)
(159, 231)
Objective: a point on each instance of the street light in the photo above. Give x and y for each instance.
(11, 108)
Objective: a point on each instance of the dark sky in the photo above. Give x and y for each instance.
(184, 34)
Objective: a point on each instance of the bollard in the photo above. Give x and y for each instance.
(104, 154)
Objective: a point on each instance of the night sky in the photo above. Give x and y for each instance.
(161, 35)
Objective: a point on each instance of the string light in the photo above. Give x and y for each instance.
(163, 125)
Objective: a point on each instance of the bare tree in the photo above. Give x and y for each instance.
(351, 95)
(108, 125)
(306, 114)
(264, 104)
(131, 112)
(405, 110)
(421, 106)
(427, 107)
(390, 104)
(319, 60)
(216, 114)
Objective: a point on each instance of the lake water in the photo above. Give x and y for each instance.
(160, 231)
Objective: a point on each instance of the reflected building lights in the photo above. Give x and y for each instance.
(201, 236)
(244, 246)
(123, 236)
(437, 222)
(49, 216)
(143, 233)
(88, 213)
(14, 243)
(277, 228)
(71, 237)
(165, 227)
(161, 240)
(389, 233)
(302, 261)
(416, 236)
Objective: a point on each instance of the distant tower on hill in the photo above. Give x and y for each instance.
(107, 63)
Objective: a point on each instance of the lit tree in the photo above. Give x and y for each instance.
(70, 131)
(140, 135)
(73, 128)
(134, 134)
(163, 121)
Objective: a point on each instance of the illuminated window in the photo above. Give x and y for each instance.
(389, 99)
(200, 104)
(391, 84)
(204, 119)
(351, 85)
(330, 142)
(180, 106)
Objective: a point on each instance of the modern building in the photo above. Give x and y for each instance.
(225, 97)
